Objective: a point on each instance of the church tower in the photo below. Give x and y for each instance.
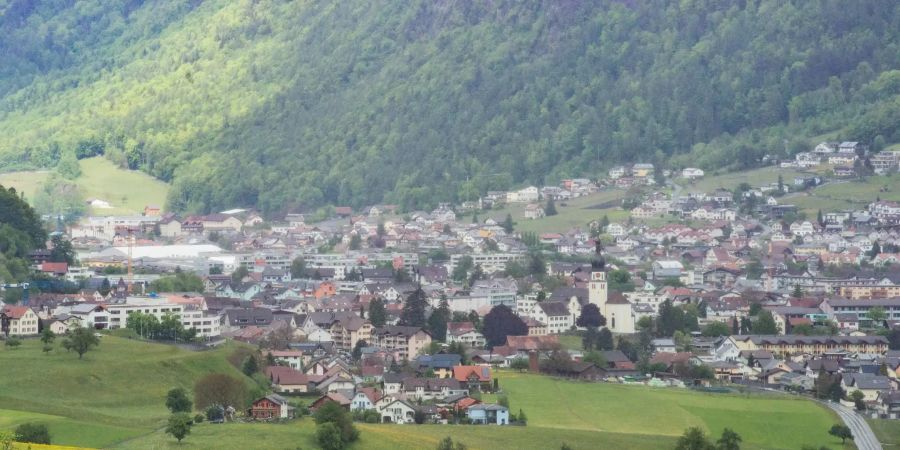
(597, 289)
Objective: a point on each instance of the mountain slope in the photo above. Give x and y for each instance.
(293, 104)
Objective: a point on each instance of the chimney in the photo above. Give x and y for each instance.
(533, 365)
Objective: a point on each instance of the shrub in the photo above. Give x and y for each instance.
(33, 433)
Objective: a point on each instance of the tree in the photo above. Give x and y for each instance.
(68, 165)
(437, 322)
(765, 323)
(729, 440)
(893, 337)
(620, 280)
(250, 366)
(520, 364)
(798, 292)
(716, 329)
(81, 340)
(62, 250)
(413, 313)
(298, 268)
(858, 400)
(877, 315)
(219, 389)
(328, 435)
(105, 288)
(508, 224)
(461, 270)
(590, 317)
(735, 326)
(559, 361)
(448, 444)
(177, 401)
(355, 241)
(589, 338)
(377, 312)
(694, 439)
(501, 322)
(550, 209)
(841, 431)
(671, 319)
(47, 338)
(179, 425)
(875, 251)
(357, 349)
(477, 274)
(596, 358)
(333, 413)
(33, 433)
(605, 340)
(239, 274)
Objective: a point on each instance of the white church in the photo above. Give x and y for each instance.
(620, 317)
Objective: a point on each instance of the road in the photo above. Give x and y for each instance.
(863, 436)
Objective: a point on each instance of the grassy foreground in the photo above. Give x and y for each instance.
(115, 393)
(114, 398)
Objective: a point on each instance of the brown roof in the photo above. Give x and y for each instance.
(286, 375)
(462, 373)
(671, 358)
(547, 342)
(15, 312)
(616, 298)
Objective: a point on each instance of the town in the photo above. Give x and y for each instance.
(407, 317)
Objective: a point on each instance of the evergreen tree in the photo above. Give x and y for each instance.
(377, 312)
(508, 224)
(437, 322)
(251, 366)
(550, 209)
(765, 323)
(501, 322)
(413, 313)
(875, 251)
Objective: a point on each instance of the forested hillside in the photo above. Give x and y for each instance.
(20, 232)
(290, 104)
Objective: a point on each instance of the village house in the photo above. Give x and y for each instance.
(271, 407)
(18, 321)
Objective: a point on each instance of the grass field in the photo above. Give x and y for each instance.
(117, 392)
(846, 195)
(28, 182)
(729, 181)
(115, 396)
(887, 431)
(575, 213)
(127, 191)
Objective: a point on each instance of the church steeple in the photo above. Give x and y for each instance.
(598, 264)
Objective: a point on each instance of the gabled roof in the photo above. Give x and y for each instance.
(463, 373)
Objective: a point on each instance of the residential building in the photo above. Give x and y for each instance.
(407, 342)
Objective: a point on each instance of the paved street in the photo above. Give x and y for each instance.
(862, 434)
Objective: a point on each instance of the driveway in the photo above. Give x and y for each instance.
(863, 436)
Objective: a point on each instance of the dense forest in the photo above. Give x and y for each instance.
(289, 105)
(20, 232)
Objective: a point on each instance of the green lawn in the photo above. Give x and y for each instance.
(127, 191)
(114, 398)
(116, 392)
(846, 195)
(772, 422)
(575, 213)
(887, 431)
(28, 181)
(731, 180)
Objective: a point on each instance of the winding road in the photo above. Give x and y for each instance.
(863, 436)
